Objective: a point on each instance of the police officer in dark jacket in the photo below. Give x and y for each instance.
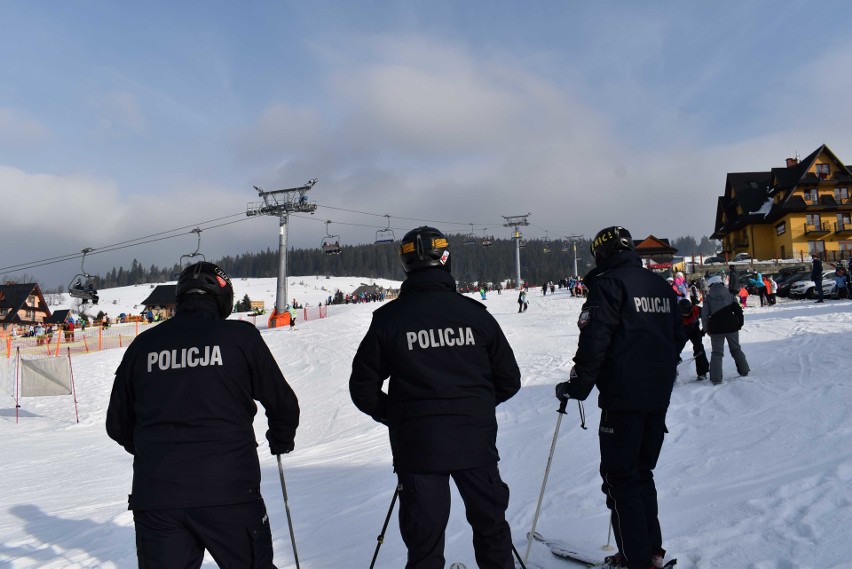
(630, 330)
(449, 366)
(183, 404)
(816, 276)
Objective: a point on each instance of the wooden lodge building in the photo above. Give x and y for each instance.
(21, 305)
(793, 212)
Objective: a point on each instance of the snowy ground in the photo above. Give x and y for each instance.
(756, 473)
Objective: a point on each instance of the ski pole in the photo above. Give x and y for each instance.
(518, 555)
(608, 547)
(381, 538)
(287, 508)
(561, 411)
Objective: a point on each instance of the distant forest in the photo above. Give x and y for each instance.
(541, 261)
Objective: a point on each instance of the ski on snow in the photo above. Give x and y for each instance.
(569, 552)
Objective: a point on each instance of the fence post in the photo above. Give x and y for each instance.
(100, 337)
(8, 347)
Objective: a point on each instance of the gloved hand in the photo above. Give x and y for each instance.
(281, 447)
(563, 389)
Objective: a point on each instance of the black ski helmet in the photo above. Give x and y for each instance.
(609, 241)
(424, 248)
(685, 306)
(207, 278)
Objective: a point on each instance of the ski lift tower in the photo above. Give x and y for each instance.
(573, 239)
(517, 221)
(281, 203)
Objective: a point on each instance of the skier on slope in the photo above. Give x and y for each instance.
(183, 405)
(630, 330)
(449, 366)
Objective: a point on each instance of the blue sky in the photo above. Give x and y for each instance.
(120, 120)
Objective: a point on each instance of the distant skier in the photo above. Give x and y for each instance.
(292, 311)
(449, 366)
(183, 404)
(630, 329)
(522, 301)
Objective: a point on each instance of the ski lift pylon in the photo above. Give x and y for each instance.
(385, 235)
(77, 288)
(330, 243)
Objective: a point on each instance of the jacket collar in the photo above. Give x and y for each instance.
(618, 260)
(428, 280)
(198, 303)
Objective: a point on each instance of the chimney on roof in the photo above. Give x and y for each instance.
(791, 162)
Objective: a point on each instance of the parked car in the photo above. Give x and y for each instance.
(784, 287)
(740, 257)
(716, 259)
(807, 288)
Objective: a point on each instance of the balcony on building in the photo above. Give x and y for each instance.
(817, 229)
(843, 228)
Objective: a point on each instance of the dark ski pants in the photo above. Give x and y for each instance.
(236, 535)
(424, 509)
(702, 366)
(630, 444)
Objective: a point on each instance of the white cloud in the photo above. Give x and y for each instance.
(120, 111)
(18, 128)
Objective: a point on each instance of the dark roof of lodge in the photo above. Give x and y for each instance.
(59, 316)
(163, 295)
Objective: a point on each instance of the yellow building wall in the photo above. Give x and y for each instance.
(763, 242)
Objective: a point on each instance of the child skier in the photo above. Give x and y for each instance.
(691, 315)
(743, 294)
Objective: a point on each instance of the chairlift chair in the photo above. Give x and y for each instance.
(330, 243)
(470, 238)
(194, 254)
(384, 236)
(487, 241)
(82, 285)
(546, 248)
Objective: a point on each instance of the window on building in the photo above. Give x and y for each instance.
(812, 219)
(781, 229)
(845, 245)
(30, 313)
(841, 195)
(816, 247)
(822, 171)
(843, 219)
(811, 195)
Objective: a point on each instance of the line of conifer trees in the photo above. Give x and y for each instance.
(541, 261)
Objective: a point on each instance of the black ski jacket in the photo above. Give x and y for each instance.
(449, 366)
(183, 403)
(630, 331)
